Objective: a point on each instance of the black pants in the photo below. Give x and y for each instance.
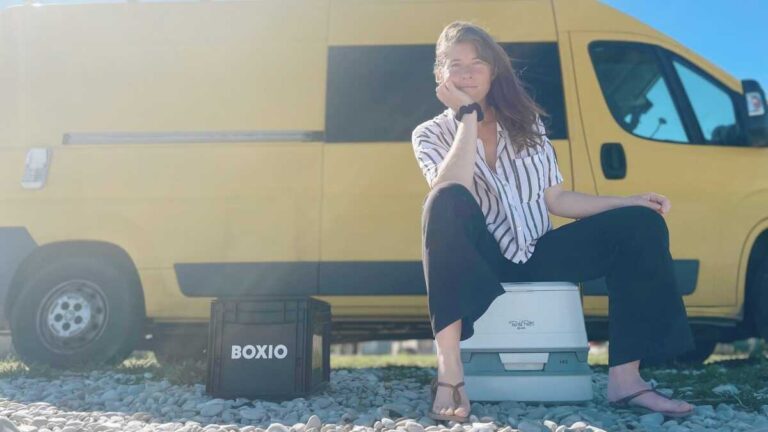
(464, 268)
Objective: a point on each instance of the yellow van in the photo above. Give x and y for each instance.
(157, 154)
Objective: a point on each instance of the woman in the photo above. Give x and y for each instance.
(494, 177)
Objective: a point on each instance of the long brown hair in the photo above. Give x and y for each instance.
(515, 109)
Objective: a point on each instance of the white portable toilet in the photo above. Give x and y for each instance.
(530, 345)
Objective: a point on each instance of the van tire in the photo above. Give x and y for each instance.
(756, 299)
(77, 311)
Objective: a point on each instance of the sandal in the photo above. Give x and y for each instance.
(625, 403)
(456, 399)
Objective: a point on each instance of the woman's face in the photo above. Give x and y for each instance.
(467, 72)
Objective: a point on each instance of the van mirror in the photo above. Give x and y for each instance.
(756, 113)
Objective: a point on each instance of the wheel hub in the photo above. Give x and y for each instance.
(72, 315)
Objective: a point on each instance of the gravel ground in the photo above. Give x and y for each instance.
(366, 399)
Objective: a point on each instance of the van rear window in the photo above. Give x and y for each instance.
(381, 93)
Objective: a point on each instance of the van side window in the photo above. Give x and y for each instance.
(712, 105)
(381, 93)
(636, 91)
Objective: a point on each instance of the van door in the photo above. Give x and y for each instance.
(655, 121)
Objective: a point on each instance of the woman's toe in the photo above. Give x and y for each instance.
(681, 406)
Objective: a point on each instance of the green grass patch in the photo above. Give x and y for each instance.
(355, 361)
(749, 376)
(139, 367)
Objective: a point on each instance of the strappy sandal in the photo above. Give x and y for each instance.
(456, 399)
(624, 403)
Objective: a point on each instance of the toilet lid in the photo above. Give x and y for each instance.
(539, 286)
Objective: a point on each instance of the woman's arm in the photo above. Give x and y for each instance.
(577, 205)
(459, 162)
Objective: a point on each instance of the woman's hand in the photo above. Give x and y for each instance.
(452, 97)
(658, 202)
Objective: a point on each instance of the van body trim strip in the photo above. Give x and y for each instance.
(358, 278)
(189, 137)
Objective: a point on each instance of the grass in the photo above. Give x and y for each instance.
(343, 361)
(141, 366)
(745, 366)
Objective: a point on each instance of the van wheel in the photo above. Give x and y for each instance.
(756, 301)
(76, 311)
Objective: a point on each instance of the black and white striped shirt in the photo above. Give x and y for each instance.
(512, 200)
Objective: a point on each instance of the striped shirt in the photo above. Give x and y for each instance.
(512, 199)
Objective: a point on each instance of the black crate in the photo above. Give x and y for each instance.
(274, 348)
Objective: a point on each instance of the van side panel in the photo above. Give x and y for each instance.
(385, 21)
(11, 36)
(156, 115)
(373, 191)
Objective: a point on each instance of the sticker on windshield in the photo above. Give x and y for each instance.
(755, 104)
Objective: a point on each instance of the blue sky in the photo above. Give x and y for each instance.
(731, 34)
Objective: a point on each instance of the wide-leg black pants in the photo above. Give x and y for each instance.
(464, 268)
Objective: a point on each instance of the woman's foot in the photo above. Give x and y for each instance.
(450, 371)
(625, 380)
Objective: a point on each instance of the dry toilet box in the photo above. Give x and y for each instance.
(273, 348)
(530, 345)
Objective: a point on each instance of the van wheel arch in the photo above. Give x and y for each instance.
(72, 249)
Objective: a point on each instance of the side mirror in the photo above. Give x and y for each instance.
(756, 113)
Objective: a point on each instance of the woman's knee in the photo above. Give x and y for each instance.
(646, 222)
(448, 206)
(447, 197)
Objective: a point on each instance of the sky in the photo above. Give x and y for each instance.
(732, 34)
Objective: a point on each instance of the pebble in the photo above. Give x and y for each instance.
(653, 419)
(529, 426)
(725, 412)
(252, 413)
(549, 424)
(313, 422)
(277, 427)
(412, 426)
(211, 410)
(724, 389)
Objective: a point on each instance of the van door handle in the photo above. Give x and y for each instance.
(613, 161)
